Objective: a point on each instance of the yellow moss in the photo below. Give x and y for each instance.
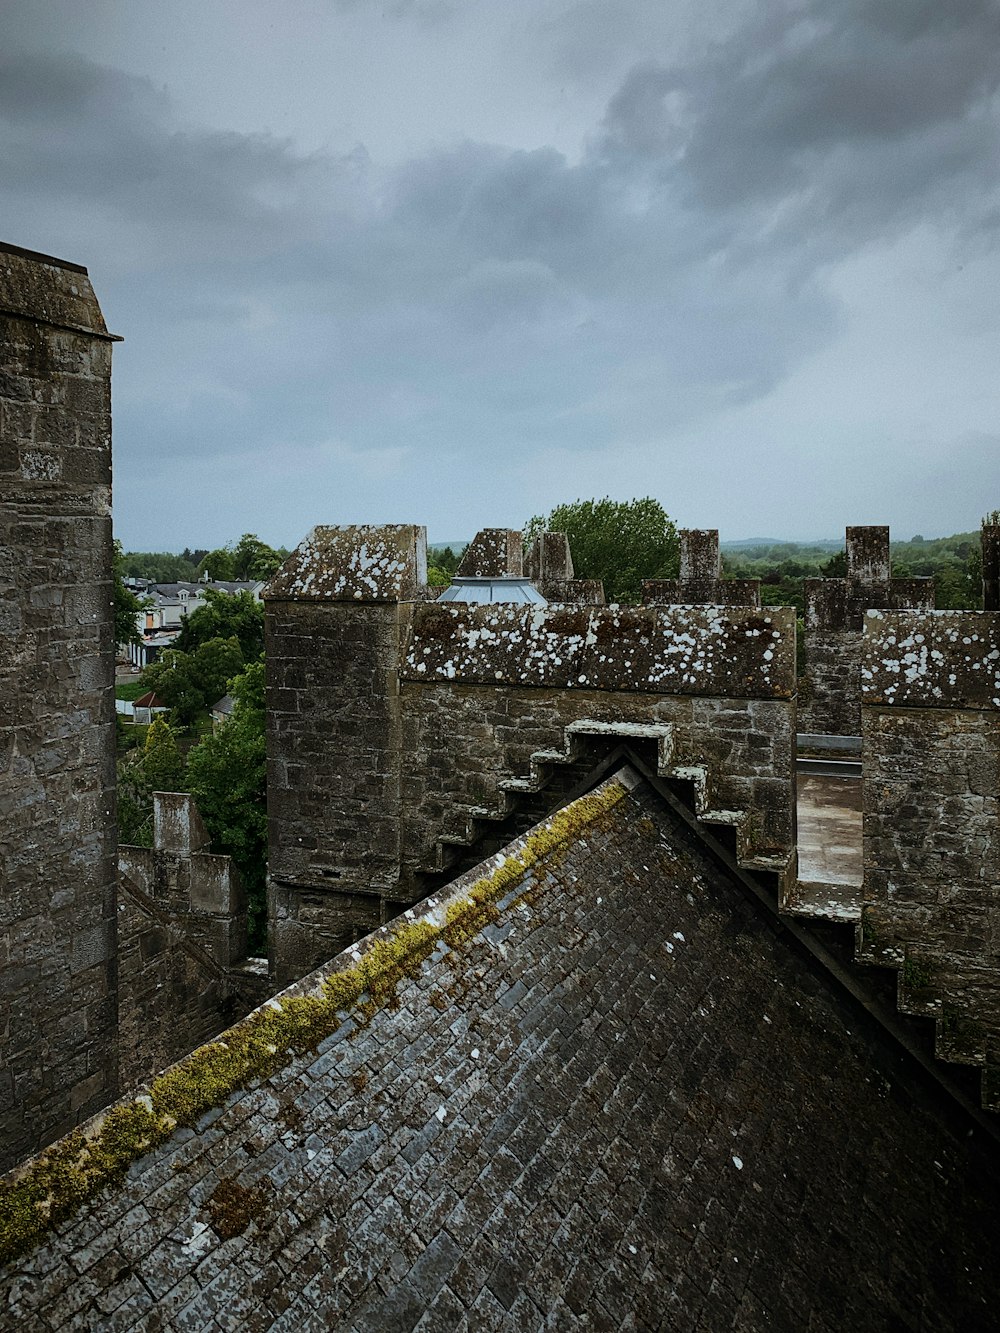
(55, 1183)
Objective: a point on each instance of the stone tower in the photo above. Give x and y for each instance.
(58, 1002)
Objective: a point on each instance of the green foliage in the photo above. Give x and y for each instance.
(129, 689)
(218, 565)
(444, 558)
(215, 663)
(159, 567)
(835, 567)
(126, 604)
(227, 774)
(437, 577)
(223, 616)
(621, 542)
(249, 560)
(174, 679)
(155, 766)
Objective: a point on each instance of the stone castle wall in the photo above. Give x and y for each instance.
(931, 693)
(182, 943)
(58, 1004)
(391, 721)
(830, 696)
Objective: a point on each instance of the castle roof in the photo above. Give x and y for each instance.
(587, 1085)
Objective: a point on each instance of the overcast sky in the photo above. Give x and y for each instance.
(456, 261)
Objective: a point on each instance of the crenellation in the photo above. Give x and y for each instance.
(700, 582)
(493, 553)
(834, 615)
(990, 547)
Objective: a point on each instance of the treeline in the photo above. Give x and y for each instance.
(247, 560)
(954, 563)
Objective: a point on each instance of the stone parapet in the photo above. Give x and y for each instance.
(360, 563)
(934, 659)
(737, 652)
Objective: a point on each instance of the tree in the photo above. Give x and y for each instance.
(217, 565)
(225, 615)
(157, 766)
(254, 559)
(835, 567)
(127, 605)
(621, 542)
(214, 663)
(227, 774)
(173, 678)
(437, 577)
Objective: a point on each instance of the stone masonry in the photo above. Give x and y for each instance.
(58, 1006)
(336, 616)
(626, 1103)
(550, 567)
(931, 695)
(393, 723)
(830, 696)
(990, 540)
(182, 942)
(700, 582)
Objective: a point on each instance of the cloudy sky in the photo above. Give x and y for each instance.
(456, 261)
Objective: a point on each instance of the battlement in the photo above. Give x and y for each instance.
(678, 650)
(359, 563)
(700, 582)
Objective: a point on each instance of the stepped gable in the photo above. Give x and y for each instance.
(616, 1099)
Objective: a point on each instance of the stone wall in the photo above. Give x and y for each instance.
(830, 695)
(700, 582)
(391, 721)
(182, 943)
(550, 567)
(335, 618)
(57, 737)
(931, 694)
(990, 542)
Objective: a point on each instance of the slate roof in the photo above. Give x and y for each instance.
(626, 1103)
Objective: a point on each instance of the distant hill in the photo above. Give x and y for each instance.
(817, 544)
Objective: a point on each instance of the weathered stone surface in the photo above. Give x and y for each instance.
(182, 942)
(935, 659)
(990, 540)
(550, 567)
(830, 695)
(492, 554)
(470, 740)
(333, 729)
(385, 563)
(680, 650)
(931, 689)
(58, 840)
(626, 1103)
(700, 582)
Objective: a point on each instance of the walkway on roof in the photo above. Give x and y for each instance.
(829, 841)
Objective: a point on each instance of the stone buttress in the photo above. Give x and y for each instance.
(58, 1003)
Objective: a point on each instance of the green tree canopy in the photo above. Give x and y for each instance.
(215, 663)
(223, 616)
(155, 766)
(254, 559)
(227, 773)
(621, 542)
(172, 676)
(218, 565)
